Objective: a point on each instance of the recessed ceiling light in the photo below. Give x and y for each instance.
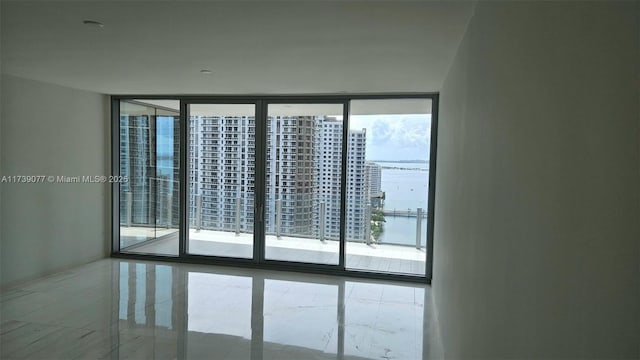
(206, 71)
(93, 23)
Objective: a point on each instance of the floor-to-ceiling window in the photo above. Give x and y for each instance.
(221, 177)
(388, 185)
(340, 183)
(148, 139)
(303, 182)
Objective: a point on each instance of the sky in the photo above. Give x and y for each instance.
(395, 137)
(389, 137)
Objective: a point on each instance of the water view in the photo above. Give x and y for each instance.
(405, 187)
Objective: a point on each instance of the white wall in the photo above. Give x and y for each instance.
(51, 130)
(537, 237)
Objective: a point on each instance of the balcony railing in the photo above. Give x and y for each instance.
(321, 226)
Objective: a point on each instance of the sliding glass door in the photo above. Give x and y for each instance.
(338, 183)
(304, 150)
(221, 179)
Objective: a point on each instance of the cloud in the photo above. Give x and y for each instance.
(395, 137)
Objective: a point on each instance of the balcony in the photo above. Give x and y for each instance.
(379, 257)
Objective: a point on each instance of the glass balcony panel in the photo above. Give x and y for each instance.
(150, 161)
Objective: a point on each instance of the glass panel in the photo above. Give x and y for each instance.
(387, 185)
(149, 160)
(303, 170)
(221, 179)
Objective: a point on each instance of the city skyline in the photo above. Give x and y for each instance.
(303, 176)
(302, 180)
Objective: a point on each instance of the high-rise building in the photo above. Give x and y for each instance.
(151, 196)
(136, 164)
(290, 180)
(373, 174)
(327, 175)
(328, 170)
(303, 176)
(358, 213)
(222, 172)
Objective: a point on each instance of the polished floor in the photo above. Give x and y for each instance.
(116, 308)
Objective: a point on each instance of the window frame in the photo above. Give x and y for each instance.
(261, 102)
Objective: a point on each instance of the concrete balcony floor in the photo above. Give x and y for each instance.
(384, 258)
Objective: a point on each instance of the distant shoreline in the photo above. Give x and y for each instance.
(403, 168)
(401, 161)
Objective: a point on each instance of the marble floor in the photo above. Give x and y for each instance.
(115, 308)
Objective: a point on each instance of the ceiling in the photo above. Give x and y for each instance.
(262, 47)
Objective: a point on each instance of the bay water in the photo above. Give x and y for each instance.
(406, 188)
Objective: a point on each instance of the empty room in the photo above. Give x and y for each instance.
(320, 179)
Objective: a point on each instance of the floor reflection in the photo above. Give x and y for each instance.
(163, 310)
